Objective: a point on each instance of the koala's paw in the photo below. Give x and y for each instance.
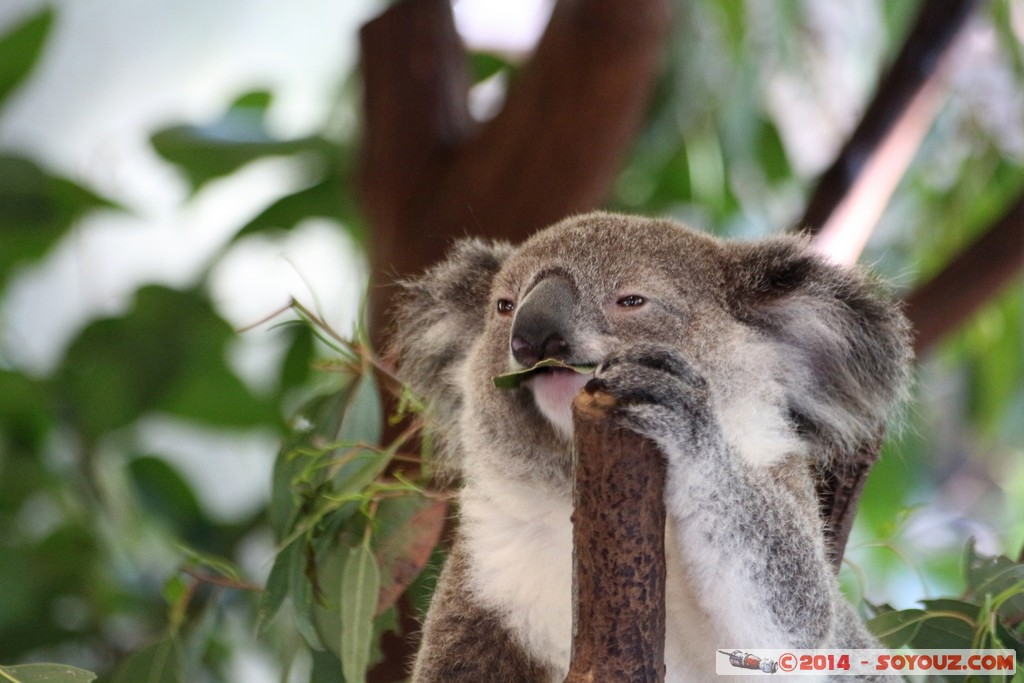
(659, 394)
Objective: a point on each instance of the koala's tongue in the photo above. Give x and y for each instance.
(554, 391)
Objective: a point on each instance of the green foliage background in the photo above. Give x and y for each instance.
(108, 560)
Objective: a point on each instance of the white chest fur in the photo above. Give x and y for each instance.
(520, 543)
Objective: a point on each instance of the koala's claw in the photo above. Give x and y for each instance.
(659, 393)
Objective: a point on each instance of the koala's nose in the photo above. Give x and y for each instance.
(543, 322)
(526, 354)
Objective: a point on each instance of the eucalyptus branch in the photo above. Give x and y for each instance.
(222, 581)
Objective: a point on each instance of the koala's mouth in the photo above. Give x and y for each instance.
(558, 379)
(554, 384)
(553, 391)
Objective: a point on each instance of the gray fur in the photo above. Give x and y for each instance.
(749, 364)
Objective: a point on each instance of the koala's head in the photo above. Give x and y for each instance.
(800, 355)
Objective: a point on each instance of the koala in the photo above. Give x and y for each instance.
(748, 364)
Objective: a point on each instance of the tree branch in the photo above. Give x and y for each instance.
(557, 144)
(839, 490)
(917, 64)
(619, 550)
(972, 278)
(415, 89)
(552, 151)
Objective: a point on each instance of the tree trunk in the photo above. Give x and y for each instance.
(431, 174)
(619, 550)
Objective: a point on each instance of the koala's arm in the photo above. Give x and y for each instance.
(751, 548)
(464, 642)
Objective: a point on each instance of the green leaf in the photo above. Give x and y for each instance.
(20, 50)
(165, 494)
(511, 380)
(672, 181)
(156, 663)
(772, 154)
(290, 579)
(326, 668)
(967, 609)
(316, 425)
(407, 530)
(205, 154)
(946, 632)
(25, 413)
(37, 209)
(256, 101)
(207, 390)
(364, 419)
(362, 423)
(483, 65)
(238, 138)
(284, 499)
(991, 576)
(733, 18)
(360, 590)
(214, 563)
(996, 362)
(278, 584)
(327, 611)
(323, 199)
(45, 673)
(362, 466)
(897, 628)
(168, 353)
(297, 365)
(300, 590)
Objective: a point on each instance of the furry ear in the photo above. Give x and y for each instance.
(844, 344)
(437, 318)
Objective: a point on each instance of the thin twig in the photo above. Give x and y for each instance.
(222, 581)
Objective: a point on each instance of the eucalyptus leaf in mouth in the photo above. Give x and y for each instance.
(511, 380)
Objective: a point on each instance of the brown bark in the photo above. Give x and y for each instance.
(971, 279)
(619, 550)
(937, 24)
(839, 490)
(430, 174)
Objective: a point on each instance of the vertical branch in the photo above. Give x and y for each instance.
(619, 550)
(431, 174)
(839, 489)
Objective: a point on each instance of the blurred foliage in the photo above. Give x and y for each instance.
(220, 148)
(987, 617)
(45, 673)
(110, 560)
(36, 208)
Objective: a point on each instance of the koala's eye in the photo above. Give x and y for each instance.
(631, 301)
(505, 306)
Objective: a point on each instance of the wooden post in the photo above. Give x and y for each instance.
(619, 550)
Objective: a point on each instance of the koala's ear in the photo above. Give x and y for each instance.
(843, 343)
(439, 314)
